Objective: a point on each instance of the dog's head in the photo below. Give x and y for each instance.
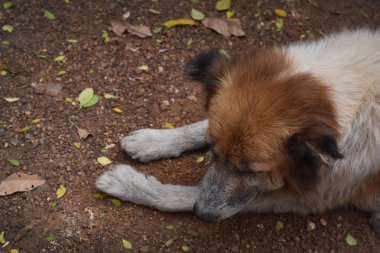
(269, 129)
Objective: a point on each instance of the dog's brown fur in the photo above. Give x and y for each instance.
(248, 127)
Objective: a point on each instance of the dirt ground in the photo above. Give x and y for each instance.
(83, 223)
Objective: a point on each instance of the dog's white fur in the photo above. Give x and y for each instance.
(349, 63)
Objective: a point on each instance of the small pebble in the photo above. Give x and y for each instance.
(310, 226)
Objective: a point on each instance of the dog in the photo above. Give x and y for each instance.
(290, 129)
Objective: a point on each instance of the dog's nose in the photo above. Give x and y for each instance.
(204, 215)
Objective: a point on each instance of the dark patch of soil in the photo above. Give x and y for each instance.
(83, 223)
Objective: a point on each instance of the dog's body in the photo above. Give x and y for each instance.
(295, 129)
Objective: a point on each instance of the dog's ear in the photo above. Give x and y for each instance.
(307, 147)
(205, 68)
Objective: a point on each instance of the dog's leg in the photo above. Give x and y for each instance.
(151, 144)
(125, 183)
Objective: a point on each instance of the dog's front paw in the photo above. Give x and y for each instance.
(147, 145)
(116, 181)
(125, 183)
(375, 223)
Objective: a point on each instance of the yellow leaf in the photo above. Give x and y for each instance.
(14, 251)
(77, 145)
(230, 14)
(127, 244)
(200, 159)
(169, 125)
(72, 41)
(103, 160)
(2, 239)
(116, 109)
(108, 96)
(60, 58)
(223, 5)
(25, 129)
(35, 121)
(281, 13)
(61, 191)
(69, 100)
(176, 22)
(143, 68)
(11, 100)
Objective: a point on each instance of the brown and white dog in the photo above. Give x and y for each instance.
(291, 129)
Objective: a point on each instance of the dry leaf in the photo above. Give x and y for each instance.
(140, 31)
(226, 27)
(83, 133)
(118, 27)
(19, 182)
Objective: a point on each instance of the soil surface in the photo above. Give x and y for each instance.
(79, 221)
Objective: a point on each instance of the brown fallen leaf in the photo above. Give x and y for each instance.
(140, 31)
(19, 182)
(226, 27)
(83, 133)
(118, 27)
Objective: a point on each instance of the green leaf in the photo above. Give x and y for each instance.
(179, 22)
(61, 73)
(185, 248)
(94, 100)
(61, 191)
(279, 225)
(85, 96)
(127, 244)
(2, 239)
(115, 202)
(77, 145)
(170, 227)
(50, 238)
(7, 28)
(157, 29)
(189, 42)
(3, 122)
(224, 53)
(25, 129)
(279, 24)
(5, 43)
(59, 58)
(49, 15)
(14, 162)
(54, 204)
(99, 195)
(7, 5)
(350, 240)
(103, 160)
(105, 36)
(197, 15)
(223, 5)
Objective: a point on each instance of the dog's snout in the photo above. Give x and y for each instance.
(204, 216)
